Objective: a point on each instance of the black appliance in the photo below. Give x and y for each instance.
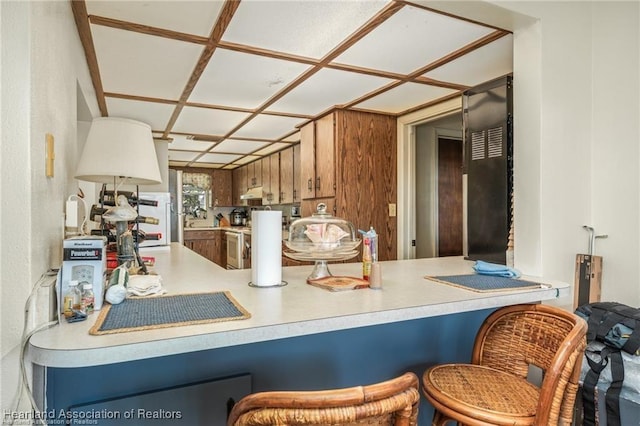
(488, 150)
(238, 217)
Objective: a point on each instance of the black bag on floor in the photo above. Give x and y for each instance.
(616, 326)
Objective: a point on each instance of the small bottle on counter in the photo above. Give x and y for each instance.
(369, 251)
(88, 298)
(69, 298)
(73, 299)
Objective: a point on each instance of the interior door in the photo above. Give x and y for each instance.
(450, 238)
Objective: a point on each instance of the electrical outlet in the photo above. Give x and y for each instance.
(392, 210)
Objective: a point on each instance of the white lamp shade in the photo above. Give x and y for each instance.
(119, 148)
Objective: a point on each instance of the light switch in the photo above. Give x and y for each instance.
(392, 210)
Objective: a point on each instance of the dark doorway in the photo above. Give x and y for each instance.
(450, 239)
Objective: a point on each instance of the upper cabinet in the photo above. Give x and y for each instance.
(254, 174)
(271, 179)
(349, 162)
(239, 184)
(222, 188)
(317, 158)
(286, 176)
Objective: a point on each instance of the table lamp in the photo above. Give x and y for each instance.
(120, 151)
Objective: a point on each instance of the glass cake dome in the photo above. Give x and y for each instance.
(321, 238)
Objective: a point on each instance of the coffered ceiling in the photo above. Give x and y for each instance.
(226, 82)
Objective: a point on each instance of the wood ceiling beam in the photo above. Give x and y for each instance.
(227, 12)
(146, 29)
(81, 17)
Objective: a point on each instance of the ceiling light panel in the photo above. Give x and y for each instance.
(273, 148)
(155, 114)
(182, 155)
(192, 17)
(404, 97)
(268, 127)
(246, 160)
(136, 64)
(240, 146)
(182, 143)
(306, 28)
(326, 89)
(411, 39)
(218, 158)
(194, 120)
(293, 138)
(484, 64)
(243, 80)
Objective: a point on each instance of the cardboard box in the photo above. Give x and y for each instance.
(84, 259)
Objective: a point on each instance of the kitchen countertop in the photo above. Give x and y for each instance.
(293, 310)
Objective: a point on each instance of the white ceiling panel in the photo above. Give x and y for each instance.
(131, 65)
(240, 146)
(268, 126)
(218, 158)
(293, 138)
(182, 155)
(192, 17)
(272, 148)
(243, 80)
(487, 63)
(143, 65)
(246, 160)
(410, 39)
(182, 143)
(326, 89)
(207, 121)
(404, 97)
(155, 114)
(306, 28)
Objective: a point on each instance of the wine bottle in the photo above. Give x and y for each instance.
(138, 235)
(108, 198)
(97, 211)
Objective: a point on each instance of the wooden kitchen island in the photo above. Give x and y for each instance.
(298, 336)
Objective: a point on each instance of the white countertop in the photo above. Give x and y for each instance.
(293, 310)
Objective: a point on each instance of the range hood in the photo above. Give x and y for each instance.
(252, 194)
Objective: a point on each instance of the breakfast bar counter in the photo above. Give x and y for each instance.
(279, 312)
(298, 336)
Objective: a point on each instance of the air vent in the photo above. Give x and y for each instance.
(495, 142)
(477, 146)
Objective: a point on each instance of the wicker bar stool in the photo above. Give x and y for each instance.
(393, 402)
(493, 389)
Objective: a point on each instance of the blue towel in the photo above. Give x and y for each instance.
(486, 268)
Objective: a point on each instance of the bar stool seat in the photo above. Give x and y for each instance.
(483, 393)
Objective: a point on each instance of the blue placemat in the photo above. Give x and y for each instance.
(135, 314)
(485, 283)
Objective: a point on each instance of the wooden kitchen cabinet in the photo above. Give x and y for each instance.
(356, 152)
(254, 174)
(271, 179)
(202, 242)
(239, 182)
(222, 187)
(317, 158)
(210, 244)
(290, 175)
(247, 251)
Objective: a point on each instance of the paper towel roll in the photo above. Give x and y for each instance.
(266, 248)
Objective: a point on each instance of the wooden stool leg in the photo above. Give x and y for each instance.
(439, 419)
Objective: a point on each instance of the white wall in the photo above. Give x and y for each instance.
(42, 62)
(576, 107)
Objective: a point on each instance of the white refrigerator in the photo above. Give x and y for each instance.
(162, 212)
